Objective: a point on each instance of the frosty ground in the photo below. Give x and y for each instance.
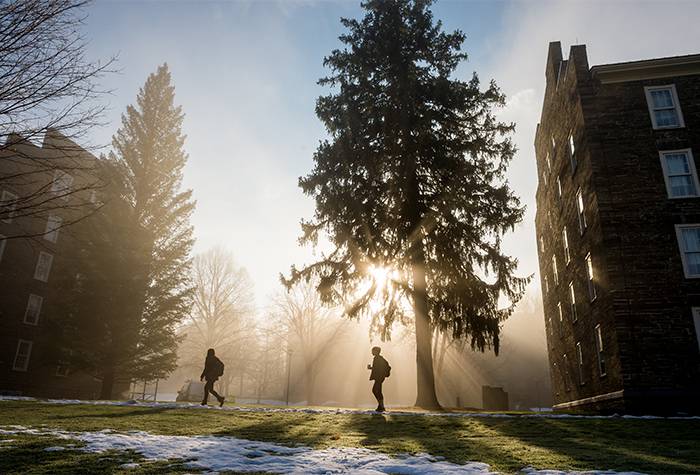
(74, 437)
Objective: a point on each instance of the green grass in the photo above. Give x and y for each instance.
(507, 444)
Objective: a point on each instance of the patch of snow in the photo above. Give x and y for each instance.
(231, 454)
(17, 398)
(130, 465)
(57, 448)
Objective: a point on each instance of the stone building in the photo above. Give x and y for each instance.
(618, 232)
(43, 189)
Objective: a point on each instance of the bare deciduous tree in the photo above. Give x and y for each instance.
(48, 87)
(313, 328)
(222, 314)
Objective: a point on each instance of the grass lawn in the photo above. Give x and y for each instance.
(507, 444)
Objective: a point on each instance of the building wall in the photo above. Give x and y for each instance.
(642, 300)
(653, 318)
(27, 170)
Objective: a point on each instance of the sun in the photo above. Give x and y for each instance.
(382, 276)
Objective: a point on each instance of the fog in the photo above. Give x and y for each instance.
(295, 349)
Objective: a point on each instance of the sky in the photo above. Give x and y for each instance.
(245, 74)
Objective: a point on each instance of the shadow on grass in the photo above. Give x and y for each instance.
(112, 414)
(509, 444)
(650, 446)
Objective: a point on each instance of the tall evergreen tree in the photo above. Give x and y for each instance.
(148, 149)
(411, 186)
(97, 328)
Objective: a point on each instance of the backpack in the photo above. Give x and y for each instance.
(218, 367)
(388, 369)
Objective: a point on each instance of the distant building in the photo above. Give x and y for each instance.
(618, 232)
(43, 189)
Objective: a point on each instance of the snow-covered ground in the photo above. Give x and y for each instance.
(229, 453)
(310, 410)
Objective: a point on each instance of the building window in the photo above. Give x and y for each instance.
(24, 351)
(572, 155)
(579, 354)
(696, 321)
(559, 188)
(53, 225)
(689, 244)
(572, 296)
(31, 314)
(554, 144)
(546, 285)
(565, 364)
(589, 276)
(544, 177)
(565, 241)
(542, 244)
(679, 173)
(62, 370)
(555, 272)
(8, 206)
(561, 314)
(43, 266)
(581, 214)
(62, 183)
(664, 108)
(3, 243)
(599, 349)
(549, 162)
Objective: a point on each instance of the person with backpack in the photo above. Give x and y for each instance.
(213, 369)
(380, 371)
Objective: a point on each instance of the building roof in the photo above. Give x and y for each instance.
(647, 69)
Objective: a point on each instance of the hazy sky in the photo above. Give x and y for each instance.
(245, 74)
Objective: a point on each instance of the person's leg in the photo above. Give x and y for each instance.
(377, 391)
(209, 386)
(214, 393)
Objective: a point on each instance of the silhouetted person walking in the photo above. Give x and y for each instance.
(380, 371)
(213, 369)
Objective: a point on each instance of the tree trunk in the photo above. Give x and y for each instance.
(426, 397)
(107, 384)
(310, 384)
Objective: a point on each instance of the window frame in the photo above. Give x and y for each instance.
(696, 321)
(676, 106)
(559, 192)
(600, 350)
(572, 153)
(10, 197)
(579, 357)
(38, 277)
(572, 302)
(565, 243)
(691, 166)
(581, 211)
(555, 270)
(58, 178)
(34, 322)
(592, 291)
(28, 357)
(679, 237)
(51, 234)
(561, 319)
